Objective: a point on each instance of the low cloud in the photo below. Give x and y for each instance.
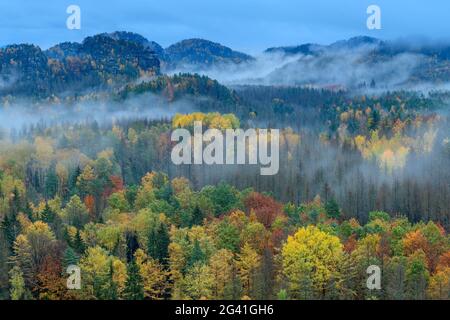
(145, 106)
(348, 68)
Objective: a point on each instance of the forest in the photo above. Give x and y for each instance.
(86, 179)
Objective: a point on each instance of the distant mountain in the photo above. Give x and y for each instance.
(100, 60)
(196, 52)
(376, 46)
(356, 42)
(64, 50)
(24, 68)
(203, 53)
(315, 49)
(360, 61)
(111, 60)
(305, 49)
(134, 37)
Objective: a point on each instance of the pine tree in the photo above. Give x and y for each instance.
(132, 245)
(72, 183)
(111, 288)
(158, 243)
(11, 228)
(78, 243)
(16, 202)
(197, 216)
(70, 257)
(67, 238)
(51, 183)
(197, 255)
(163, 243)
(134, 289)
(152, 244)
(48, 215)
(332, 209)
(28, 211)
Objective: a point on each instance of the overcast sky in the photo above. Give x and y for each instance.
(246, 25)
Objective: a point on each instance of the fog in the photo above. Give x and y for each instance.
(145, 106)
(330, 66)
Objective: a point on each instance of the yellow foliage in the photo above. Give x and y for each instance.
(439, 286)
(209, 120)
(313, 253)
(44, 150)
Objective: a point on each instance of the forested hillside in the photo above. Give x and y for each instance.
(86, 179)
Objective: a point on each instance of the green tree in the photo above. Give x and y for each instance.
(197, 255)
(417, 276)
(70, 257)
(332, 209)
(158, 243)
(228, 236)
(110, 291)
(75, 213)
(48, 216)
(17, 284)
(51, 183)
(78, 243)
(197, 216)
(134, 289)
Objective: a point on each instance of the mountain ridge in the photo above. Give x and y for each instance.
(117, 58)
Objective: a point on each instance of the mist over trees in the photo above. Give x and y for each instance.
(86, 179)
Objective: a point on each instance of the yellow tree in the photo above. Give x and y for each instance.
(312, 253)
(153, 274)
(177, 262)
(248, 263)
(145, 194)
(31, 249)
(221, 264)
(95, 266)
(439, 286)
(85, 180)
(198, 282)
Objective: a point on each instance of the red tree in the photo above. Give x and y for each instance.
(266, 209)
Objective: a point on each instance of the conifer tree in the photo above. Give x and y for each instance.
(78, 243)
(197, 255)
(111, 288)
(158, 243)
(134, 289)
(48, 215)
(197, 216)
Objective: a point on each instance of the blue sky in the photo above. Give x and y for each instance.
(247, 25)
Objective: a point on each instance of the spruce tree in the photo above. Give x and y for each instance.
(51, 183)
(332, 209)
(110, 290)
(197, 255)
(11, 229)
(78, 243)
(134, 289)
(163, 243)
(158, 243)
(48, 215)
(70, 257)
(197, 216)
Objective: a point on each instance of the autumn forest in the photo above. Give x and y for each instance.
(86, 180)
